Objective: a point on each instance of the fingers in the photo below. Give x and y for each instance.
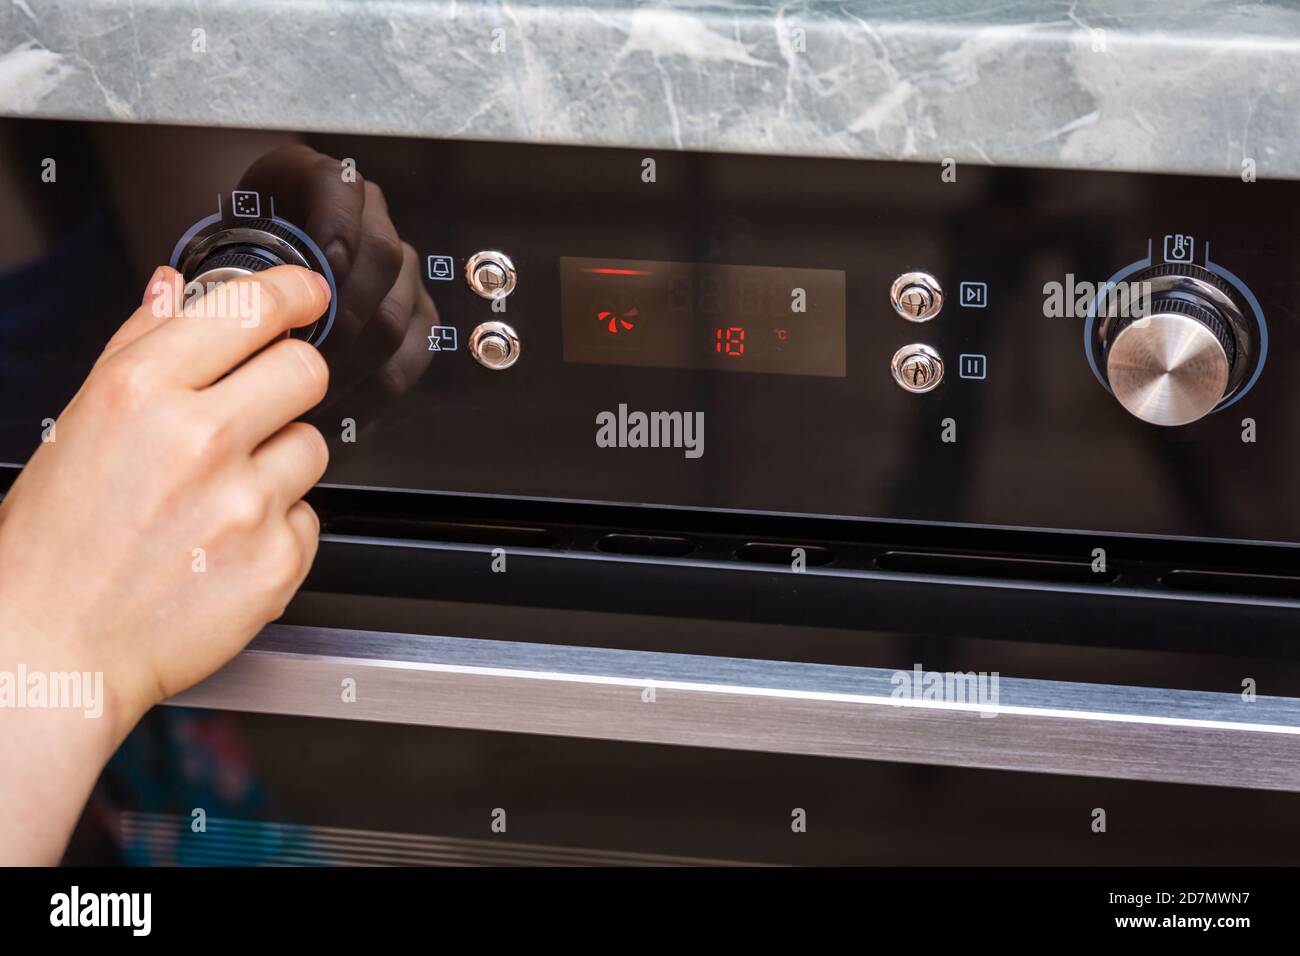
(232, 321)
(374, 269)
(163, 295)
(403, 368)
(305, 526)
(276, 386)
(291, 461)
(387, 320)
(316, 192)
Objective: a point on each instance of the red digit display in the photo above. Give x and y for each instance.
(730, 341)
(698, 315)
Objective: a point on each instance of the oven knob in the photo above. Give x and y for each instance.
(491, 274)
(494, 345)
(228, 252)
(228, 265)
(1172, 360)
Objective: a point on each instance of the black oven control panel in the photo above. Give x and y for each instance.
(981, 347)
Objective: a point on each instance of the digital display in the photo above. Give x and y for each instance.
(701, 315)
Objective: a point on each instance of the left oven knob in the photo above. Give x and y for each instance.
(231, 251)
(227, 266)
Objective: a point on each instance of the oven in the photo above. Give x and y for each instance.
(654, 474)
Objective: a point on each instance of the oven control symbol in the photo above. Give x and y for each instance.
(442, 338)
(246, 204)
(1179, 247)
(618, 319)
(441, 268)
(973, 366)
(973, 295)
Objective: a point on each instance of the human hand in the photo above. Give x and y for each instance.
(164, 524)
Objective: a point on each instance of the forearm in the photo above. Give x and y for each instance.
(58, 727)
(141, 549)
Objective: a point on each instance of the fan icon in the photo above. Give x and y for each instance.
(614, 321)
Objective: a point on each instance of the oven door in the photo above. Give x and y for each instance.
(580, 705)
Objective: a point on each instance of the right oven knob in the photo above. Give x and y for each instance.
(1174, 343)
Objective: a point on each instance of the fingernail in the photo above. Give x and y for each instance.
(336, 254)
(322, 283)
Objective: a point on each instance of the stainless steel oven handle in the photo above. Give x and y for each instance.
(1101, 730)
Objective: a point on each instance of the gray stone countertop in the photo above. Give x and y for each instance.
(1175, 86)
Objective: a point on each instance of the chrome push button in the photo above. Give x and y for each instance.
(494, 345)
(916, 296)
(917, 368)
(491, 274)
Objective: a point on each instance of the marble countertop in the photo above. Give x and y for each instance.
(1156, 85)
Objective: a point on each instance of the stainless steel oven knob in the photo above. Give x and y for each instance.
(494, 345)
(1170, 368)
(491, 274)
(1181, 349)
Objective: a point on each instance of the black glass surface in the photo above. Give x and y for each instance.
(1036, 442)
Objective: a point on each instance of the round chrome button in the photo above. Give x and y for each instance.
(917, 368)
(491, 274)
(494, 345)
(916, 296)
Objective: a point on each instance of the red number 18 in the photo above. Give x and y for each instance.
(730, 341)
